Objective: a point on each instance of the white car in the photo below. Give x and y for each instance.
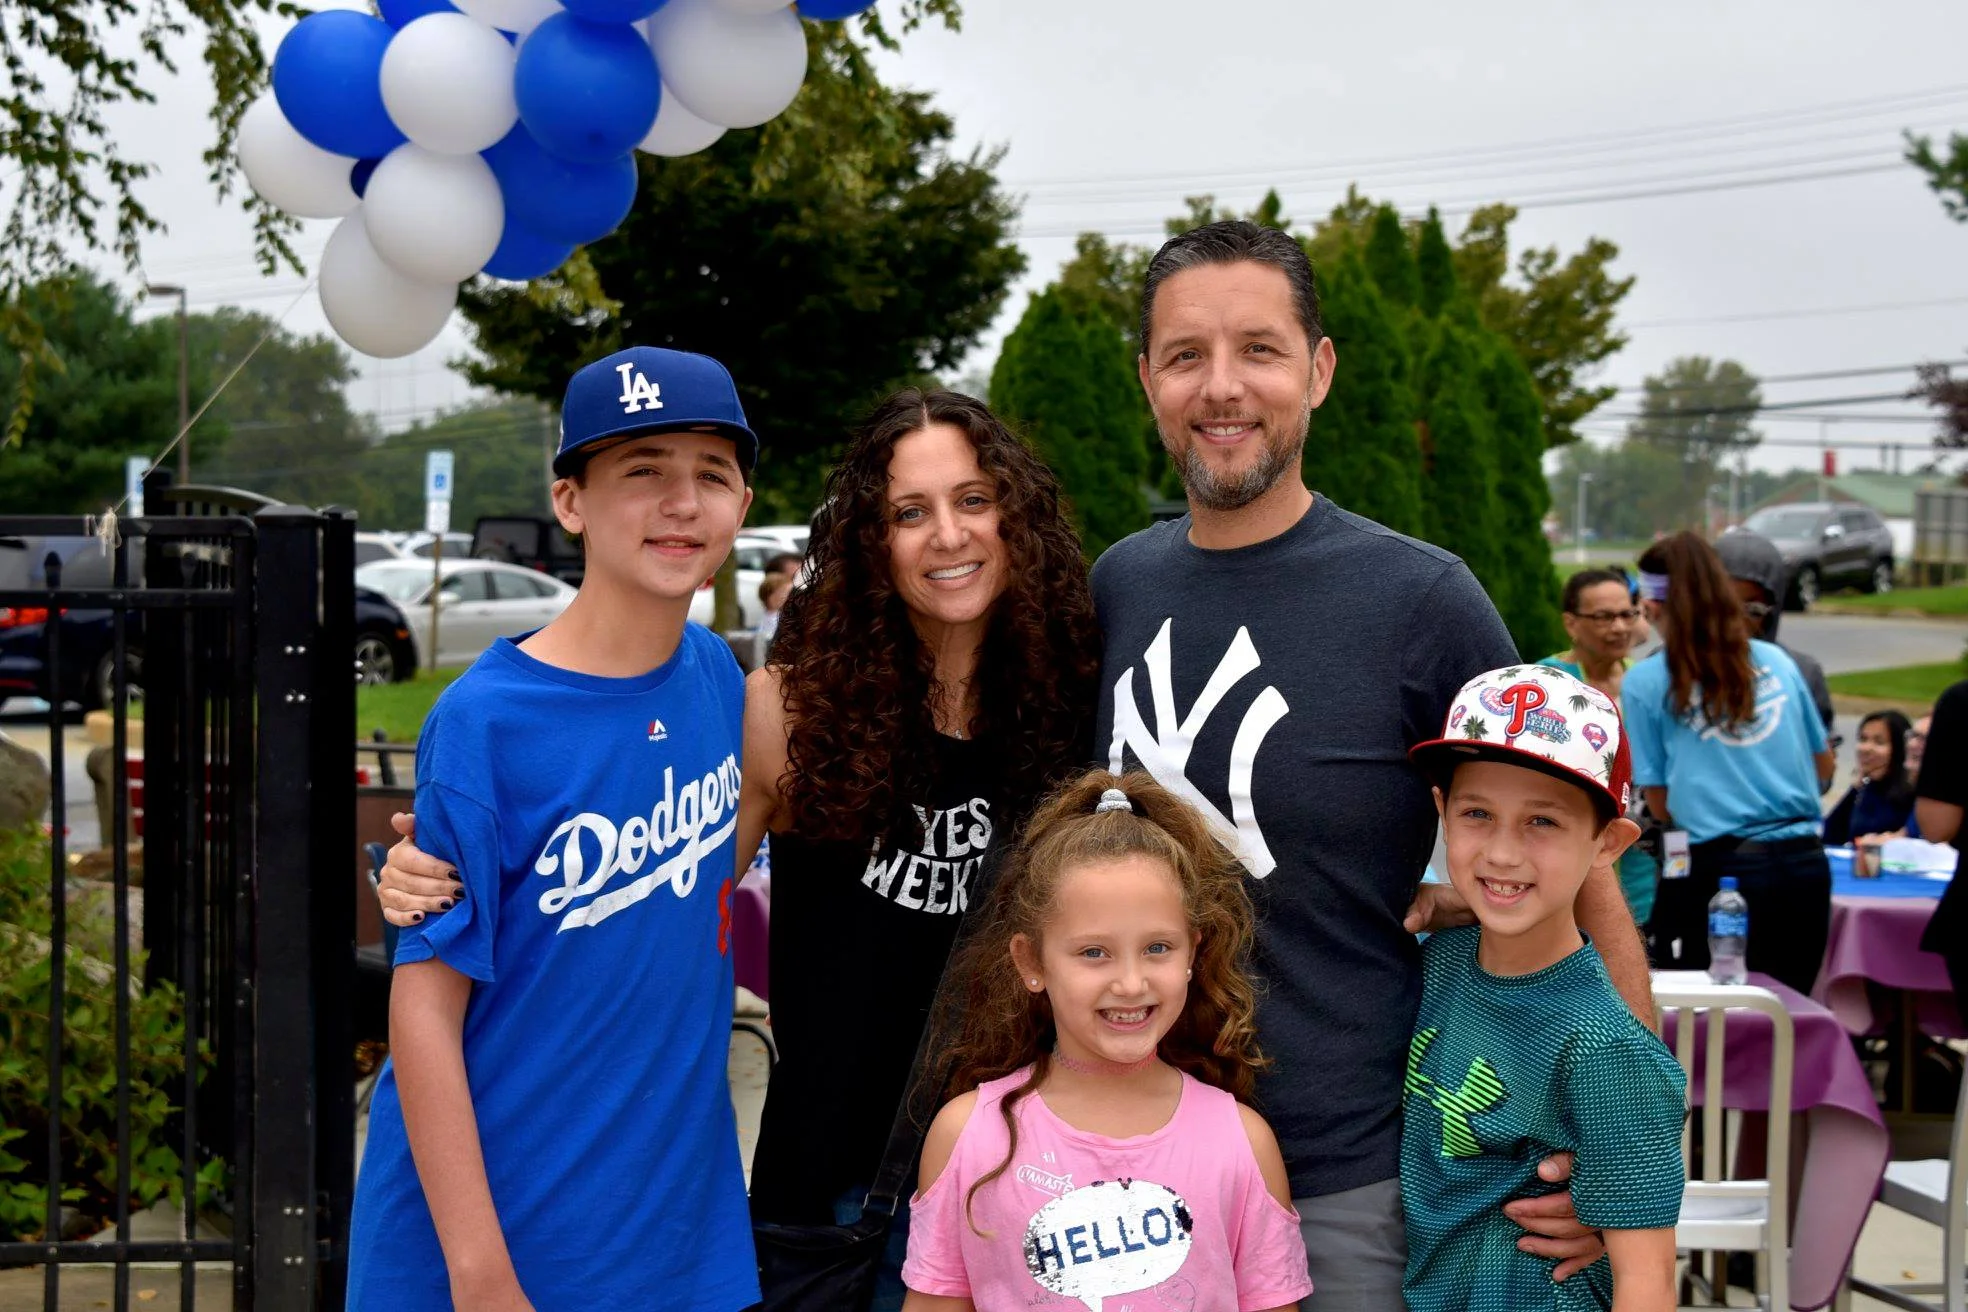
(481, 601)
(751, 551)
(456, 545)
(789, 537)
(371, 547)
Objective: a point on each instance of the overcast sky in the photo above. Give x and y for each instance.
(1111, 111)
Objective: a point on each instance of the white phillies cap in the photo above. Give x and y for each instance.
(1540, 717)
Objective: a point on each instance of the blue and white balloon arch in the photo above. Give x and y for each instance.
(495, 136)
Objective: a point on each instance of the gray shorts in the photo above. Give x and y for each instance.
(1357, 1247)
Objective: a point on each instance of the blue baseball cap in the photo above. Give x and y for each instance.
(649, 389)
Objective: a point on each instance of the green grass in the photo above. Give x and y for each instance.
(398, 709)
(1916, 684)
(1950, 600)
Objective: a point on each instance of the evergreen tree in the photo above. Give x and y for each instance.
(1392, 260)
(1063, 379)
(1528, 599)
(1363, 452)
(1435, 266)
(1462, 476)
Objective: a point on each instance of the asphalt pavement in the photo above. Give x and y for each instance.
(1843, 643)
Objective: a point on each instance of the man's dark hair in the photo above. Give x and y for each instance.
(1228, 242)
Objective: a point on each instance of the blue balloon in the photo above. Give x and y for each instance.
(586, 91)
(558, 198)
(524, 255)
(821, 11)
(359, 176)
(613, 11)
(401, 13)
(327, 77)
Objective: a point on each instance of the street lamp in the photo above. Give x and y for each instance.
(1578, 532)
(184, 375)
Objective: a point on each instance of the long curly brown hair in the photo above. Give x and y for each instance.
(989, 1024)
(1705, 632)
(857, 681)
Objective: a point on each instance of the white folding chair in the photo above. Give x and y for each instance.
(1935, 1191)
(1720, 1215)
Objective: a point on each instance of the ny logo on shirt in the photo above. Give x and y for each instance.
(1164, 753)
(1481, 1090)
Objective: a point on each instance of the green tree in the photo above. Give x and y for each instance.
(291, 434)
(1434, 266)
(826, 275)
(1947, 173)
(1701, 411)
(1525, 597)
(109, 390)
(502, 448)
(1460, 442)
(1063, 379)
(1558, 313)
(1363, 451)
(1391, 259)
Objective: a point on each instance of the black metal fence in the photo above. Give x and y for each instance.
(229, 623)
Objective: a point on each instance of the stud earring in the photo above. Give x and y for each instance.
(1189, 974)
(1035, 983)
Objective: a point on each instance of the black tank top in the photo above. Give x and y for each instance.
(859, 938)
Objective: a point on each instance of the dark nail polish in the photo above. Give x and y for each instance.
(445, 905)
(459, 892)
(416, 918)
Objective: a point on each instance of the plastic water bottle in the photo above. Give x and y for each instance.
(1728, 934)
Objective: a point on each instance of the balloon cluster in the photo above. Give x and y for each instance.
(496, 136)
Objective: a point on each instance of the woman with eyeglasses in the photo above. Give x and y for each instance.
(1599, 615)
(1727, 747)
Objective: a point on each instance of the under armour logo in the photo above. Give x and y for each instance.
(1481, 1090)
(1165, 752)
(638, 393)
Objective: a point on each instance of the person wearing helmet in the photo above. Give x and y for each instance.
(1762, 577)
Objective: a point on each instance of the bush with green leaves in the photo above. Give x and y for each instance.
(89, 1078)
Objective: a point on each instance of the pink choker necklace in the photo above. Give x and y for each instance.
(1079, 1067)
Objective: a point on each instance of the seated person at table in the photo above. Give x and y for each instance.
(1522, 1049)
(1880, 803)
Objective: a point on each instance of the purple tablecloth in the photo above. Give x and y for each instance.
(1847, 1146)
(1875, 936)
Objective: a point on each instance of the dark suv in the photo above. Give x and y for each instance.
(1826, 546)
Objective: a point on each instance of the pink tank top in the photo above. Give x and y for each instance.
(1178, 1219)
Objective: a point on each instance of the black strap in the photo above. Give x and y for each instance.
(905, 1136)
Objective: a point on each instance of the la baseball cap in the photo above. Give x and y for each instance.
(650, 389)
(1542, 718)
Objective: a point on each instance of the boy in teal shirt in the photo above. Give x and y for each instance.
(1522, 1048)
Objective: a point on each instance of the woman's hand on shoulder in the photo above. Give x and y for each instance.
(1270, 1160)
(414, 884)
(941, 1141)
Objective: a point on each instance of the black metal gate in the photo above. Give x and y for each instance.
(232, 620)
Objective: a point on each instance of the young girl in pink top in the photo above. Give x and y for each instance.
(1104, 1030)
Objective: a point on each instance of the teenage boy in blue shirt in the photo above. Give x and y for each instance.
(584, 782)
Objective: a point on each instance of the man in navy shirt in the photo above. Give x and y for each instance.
(584, 783)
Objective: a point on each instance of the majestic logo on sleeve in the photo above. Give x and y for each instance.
(1164, 753)
(1481, 1090)
(589, 851)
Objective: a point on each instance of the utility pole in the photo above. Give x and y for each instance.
(184, 375)
(1578, 530)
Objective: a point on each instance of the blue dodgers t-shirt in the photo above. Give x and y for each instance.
(1758, 783)
(593, 822)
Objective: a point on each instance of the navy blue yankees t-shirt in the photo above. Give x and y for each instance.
(593, 823)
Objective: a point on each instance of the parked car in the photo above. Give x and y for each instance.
(377, 546)
(531, 540)
(1828, 546)
(790, 537)
(456, 545)
(383, 652)
(481, 601)
(751, 554)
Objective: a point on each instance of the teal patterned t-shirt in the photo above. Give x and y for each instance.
(1503, 1072)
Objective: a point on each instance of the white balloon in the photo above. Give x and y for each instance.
(437, 218)
(372, 307)
(677, 131)
(520, 16)
(287, 170)
(735, 70)
(448, 83)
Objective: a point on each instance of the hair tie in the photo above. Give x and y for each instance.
(1114, 800)
(1653, 587)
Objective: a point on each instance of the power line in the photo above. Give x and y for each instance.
(1802, 378)
(1766, 315)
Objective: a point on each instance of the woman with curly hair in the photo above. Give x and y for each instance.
(931, 680)
(1103, 1025)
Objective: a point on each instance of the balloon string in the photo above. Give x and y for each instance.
(108, 527)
